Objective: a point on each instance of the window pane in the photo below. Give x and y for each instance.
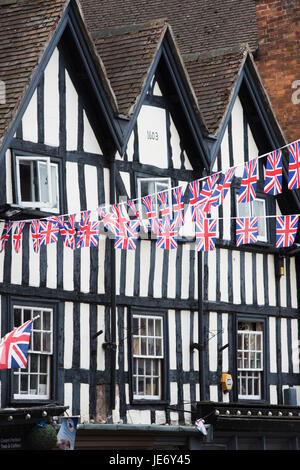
(33, 358)
(158, 351)
(43, 363)
(54, 185)
(151, 327)
(136, 349)
(43, 182)
(24, 383)
(143, 327)
(143, 346)
(37, 321)
(33, 385)
(17, 317)
(26, 181)
(151, 346)
(27, 315)
(243, 209)
(47, 342)
(158, 327)
(135, 326)
(36, 341)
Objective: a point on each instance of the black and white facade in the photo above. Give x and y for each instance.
(172, 321)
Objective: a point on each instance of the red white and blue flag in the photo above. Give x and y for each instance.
(164, 206)
(5, 234)
(199, 423)
(206, 233)
(36, 235)
(167, 234)
(88, 234)
(109, 219)
(178, 205)
(273, 181)
(286, 229)
(204, 202)
(194, 193)
(246, 230)
(294, 165)
(136, 214)
(222, 188)
(48, 232)
(149, 204)
(69, 229)
(126, 238)
(17, 236)
(248, 183)
(14, 347)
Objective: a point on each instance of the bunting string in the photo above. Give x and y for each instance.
(164, 212)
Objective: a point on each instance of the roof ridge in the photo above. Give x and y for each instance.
(127, 29)
(241, 48)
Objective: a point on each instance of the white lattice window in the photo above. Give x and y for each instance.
(250, 360)
(37, 183)
(34, 381)
(147, 356)
(256, 208)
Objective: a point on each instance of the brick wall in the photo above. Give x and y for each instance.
(278, 60)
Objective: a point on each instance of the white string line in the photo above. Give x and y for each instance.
(242, 164)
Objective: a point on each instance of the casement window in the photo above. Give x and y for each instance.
(152, 186)
(256, 208)
(34, 382)
(250, 360)
(148, 356)
(37, 183)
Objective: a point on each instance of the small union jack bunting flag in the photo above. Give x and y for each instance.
(70, 231)
(59, 220)
(248, 184)
(163, 202)
(246, 230)
(17, 236)
(5, 234)
(178, 205)
(273, 181)
(88, 234)
(110, 220)
(286, 229)
(120, 212)
(294, 165)
(167, 234)
(194, 193)
(148, 203)
(222, 188)
(48, 232)
(200, 426)
(206, 193)
(126, 238)
(206, 233)
(14, 347)
(136, 214)
(36, 235)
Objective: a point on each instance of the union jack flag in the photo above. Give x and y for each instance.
(248, 184)
(178, 205)
(14, 347)
(294, 165)
(48, 232)
(69, 227)
(5, 234)
(194, 190)
(148, 203)
(167, 234)
(222, 188)
(127, 239)
(206, 232)
(273, 182)
(206, 193)
(286, 229)
(36, 235)
(246, 230)
(88, 231)
(17, 236)
(109, 219)
(163, 201)
(59, 220)
(136, 213)
(200, 426)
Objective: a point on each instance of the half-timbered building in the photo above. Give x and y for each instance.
(135, 342)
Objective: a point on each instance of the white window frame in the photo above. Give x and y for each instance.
(38, 204)
(250, 205)
(245, 372)
(43, 390)
(141, 358)
(156, 181)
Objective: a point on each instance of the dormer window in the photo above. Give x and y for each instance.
(37, 183)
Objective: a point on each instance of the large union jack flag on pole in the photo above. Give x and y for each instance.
(294, 165)
(222, 188)
(286, 229)
(14, 347)
(273, 181)
(167, 234)
(206, 232)
(246, 230)
(248, 183)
